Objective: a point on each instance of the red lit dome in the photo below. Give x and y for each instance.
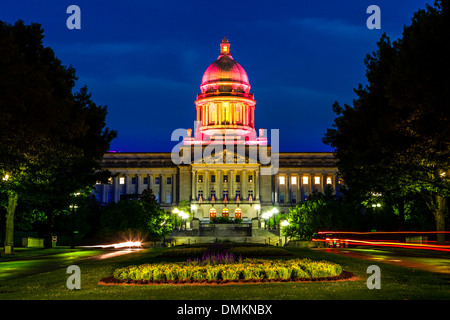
(225, 69)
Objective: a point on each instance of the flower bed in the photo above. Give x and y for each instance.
(247, 270)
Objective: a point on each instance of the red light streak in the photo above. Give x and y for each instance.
(384, 243)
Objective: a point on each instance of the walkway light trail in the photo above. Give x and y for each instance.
(127, 244)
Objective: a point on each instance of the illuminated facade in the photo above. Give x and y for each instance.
(223, 172)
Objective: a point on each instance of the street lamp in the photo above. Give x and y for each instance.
(375, 206)
(284, 224)
(194, 207)
(274, 211)
(175, 211)
(183, 215)
(73, 207)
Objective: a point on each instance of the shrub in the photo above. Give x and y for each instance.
(248, 269)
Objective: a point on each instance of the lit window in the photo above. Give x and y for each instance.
(328, 180)
(225, 178)
(122, 180)
(98, 182)
(316, 180)
(250, 178)
(294, 180)
(281, 179)
(200, 178)
(305, 180)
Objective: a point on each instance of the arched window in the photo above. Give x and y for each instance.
(225, 213)
(212, 213)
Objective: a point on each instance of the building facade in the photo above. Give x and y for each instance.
(226, 168)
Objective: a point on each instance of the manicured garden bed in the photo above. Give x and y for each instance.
(247, 270)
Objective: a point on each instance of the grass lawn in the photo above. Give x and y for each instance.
(397, 283)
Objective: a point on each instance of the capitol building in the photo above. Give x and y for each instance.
(224, 166)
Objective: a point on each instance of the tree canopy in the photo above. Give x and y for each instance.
(395, 140)
(51, 139)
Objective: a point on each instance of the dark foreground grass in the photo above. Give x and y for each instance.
(397, 283)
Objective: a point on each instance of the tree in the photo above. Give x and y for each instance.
(322, 212)
(136, 218)
(395, 140)
(51, 140)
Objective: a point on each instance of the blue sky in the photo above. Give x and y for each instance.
(145, 59)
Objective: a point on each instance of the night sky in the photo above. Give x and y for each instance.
(145, 59)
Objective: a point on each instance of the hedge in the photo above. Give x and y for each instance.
(246, 270)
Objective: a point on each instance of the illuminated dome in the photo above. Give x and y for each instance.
(225, 69)
(225, 74)
(225, 107)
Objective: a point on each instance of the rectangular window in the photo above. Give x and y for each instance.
(238, 194)
(200, 194)
(328, 180)
(293, 198)
(250, 194)
(281, 197)
(213, 194)
(133, 180)
(238, 178)
(282, 180)
(157, 196)
(250, 178)
(305, 180)
(293, 180)
(225, 194)
(213, 178)
(200, 178)
(122, 180)
(225, 178)
(145, 180)
(168, 197)
(169, 180)
(156, 180)
(316, 180)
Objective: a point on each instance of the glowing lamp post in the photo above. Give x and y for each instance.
(274, 211)
(176, 211)
(375, 206)
(283, 225)
(194, 207)
(266, 216)
(183, 215)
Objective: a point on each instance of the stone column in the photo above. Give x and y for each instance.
(231, 181)
(194, 182)
(219, 185)
(244, 184)
(206, 194)
(257, 184)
